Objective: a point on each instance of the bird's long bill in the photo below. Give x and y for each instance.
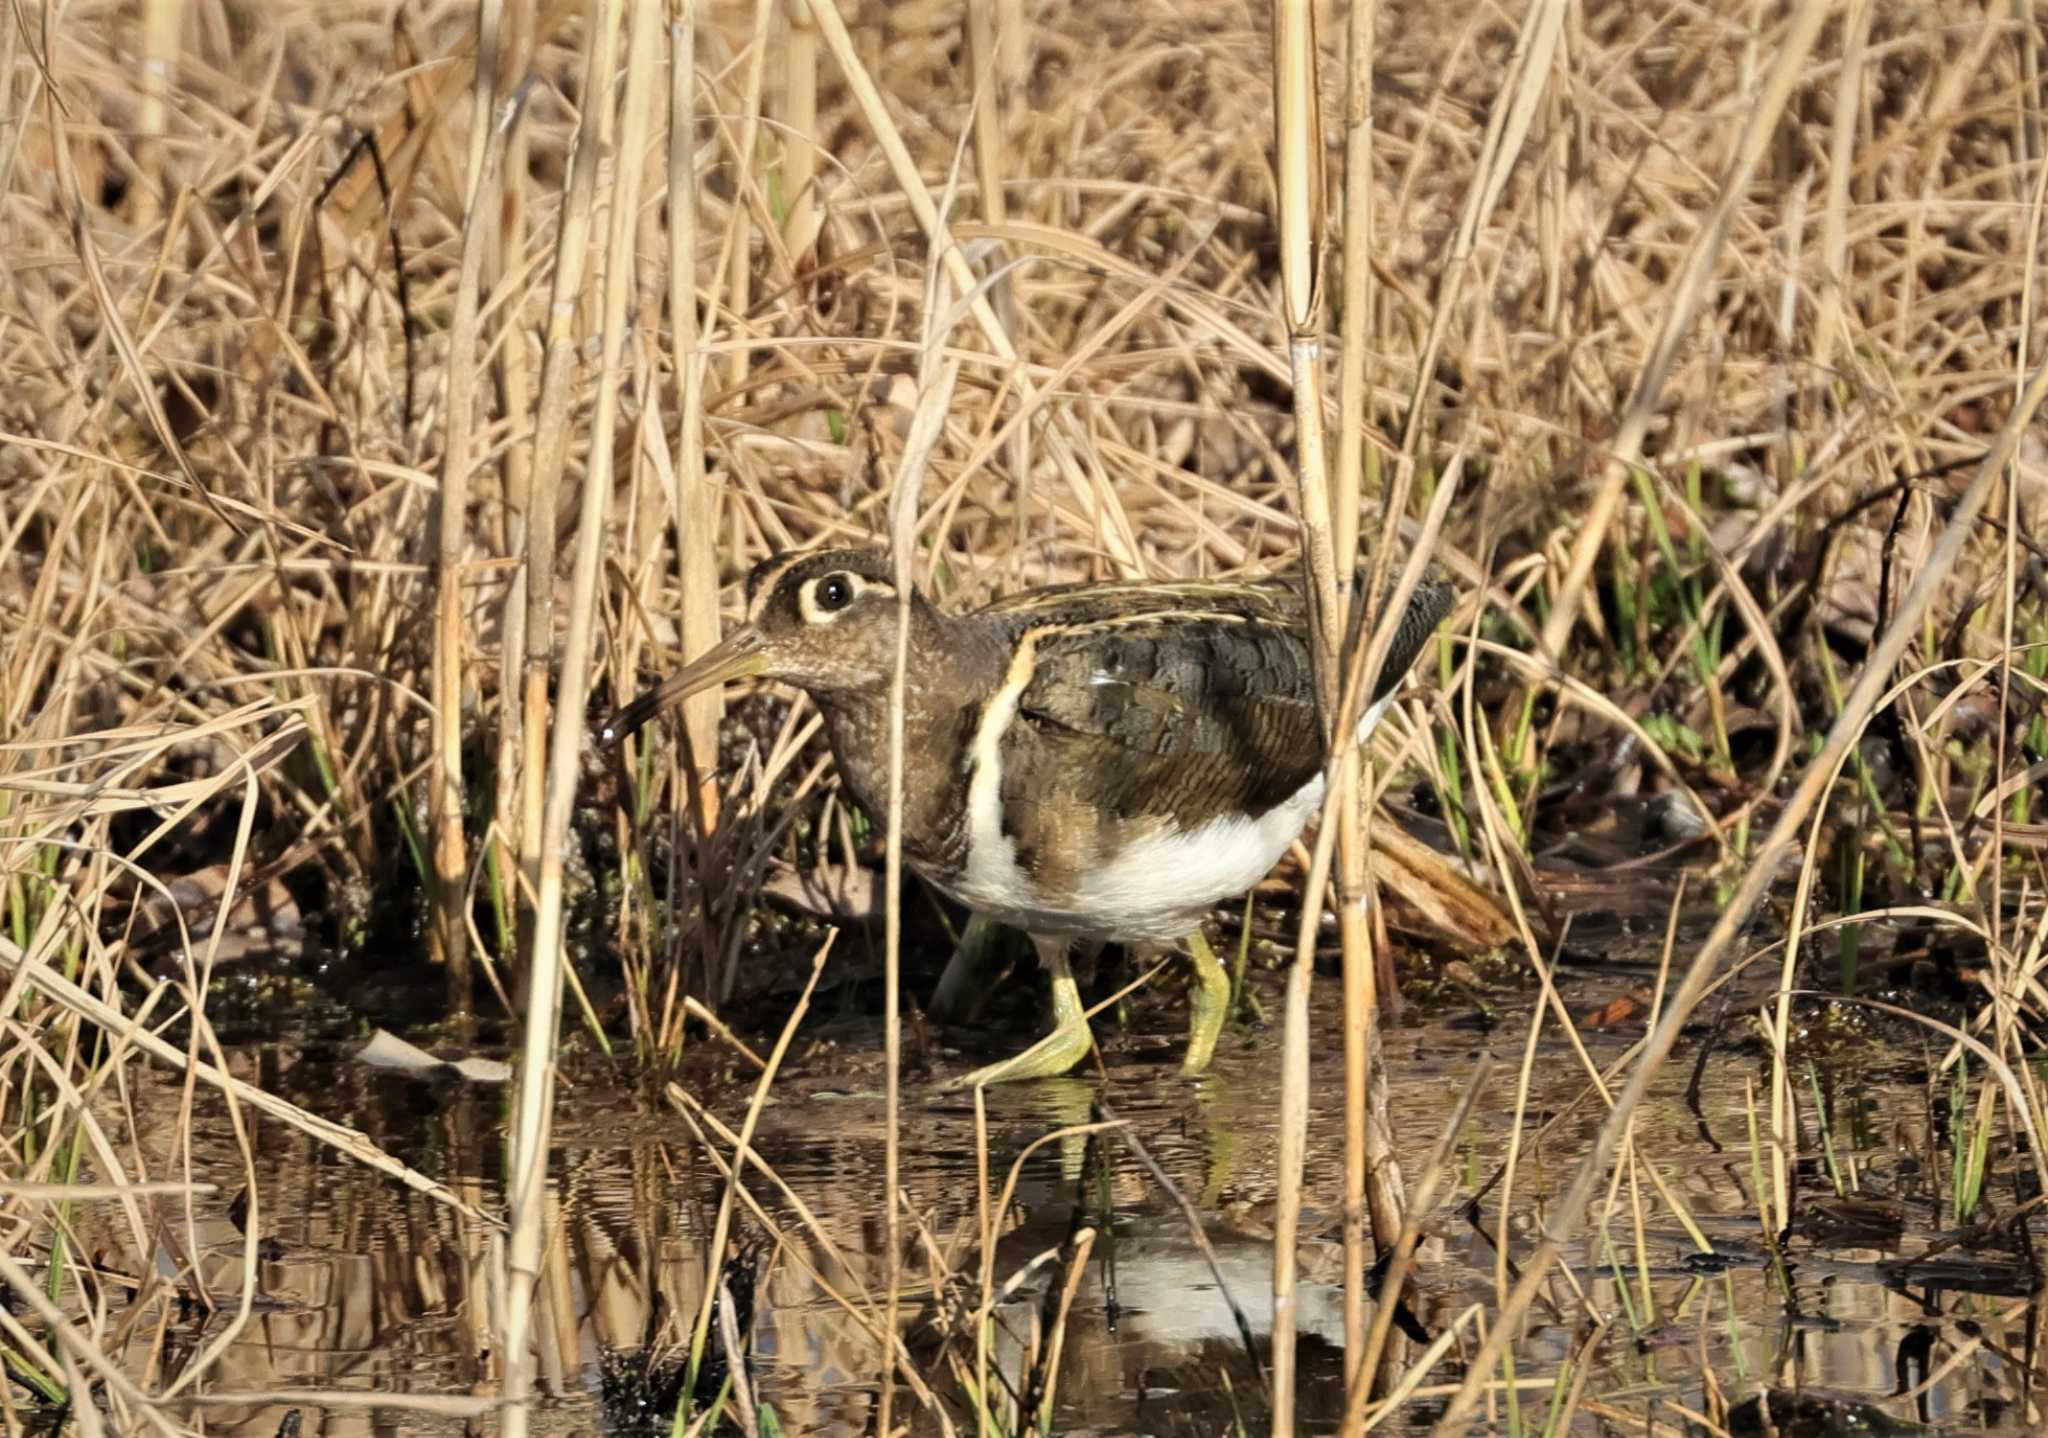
(738, 657)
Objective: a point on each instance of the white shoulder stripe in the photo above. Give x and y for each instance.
(992, 878)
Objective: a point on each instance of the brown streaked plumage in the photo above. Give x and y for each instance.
(1100, 761)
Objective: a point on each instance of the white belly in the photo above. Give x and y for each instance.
(1158, 887)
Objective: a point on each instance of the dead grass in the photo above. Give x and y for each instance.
(1710, 315)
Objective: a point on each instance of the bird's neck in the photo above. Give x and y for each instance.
(954, 666)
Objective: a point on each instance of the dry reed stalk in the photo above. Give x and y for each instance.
(528, 1161)
(1373, 1189)
(1382, 1177)
(160, 47)
(1355, 365)
(744, 1412)
(1298, 166)
(737, 264)
(801, 142)
(994, 33)
(204, 1039)
(937, 377)
(511, 371)
(695, 502)
(1783, 1131)
(2028, 139)
(93, 1192)
(990, 95)
(445, 790)
(1367, 1145)
(552, 432)
(985, 1244)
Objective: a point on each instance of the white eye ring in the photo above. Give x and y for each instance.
(823, 600)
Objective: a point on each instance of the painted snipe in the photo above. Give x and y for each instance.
(1086, 761)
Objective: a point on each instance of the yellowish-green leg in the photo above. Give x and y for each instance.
(1067, 1044)
(1208, 1003)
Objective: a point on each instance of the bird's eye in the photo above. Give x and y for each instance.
(834, 592)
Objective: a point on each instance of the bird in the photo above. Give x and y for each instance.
(1087, 762)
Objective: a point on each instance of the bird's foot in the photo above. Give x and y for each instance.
(1059, 1051)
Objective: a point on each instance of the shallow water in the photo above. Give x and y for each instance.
(370, 1288)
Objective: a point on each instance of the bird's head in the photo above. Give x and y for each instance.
(823, 621)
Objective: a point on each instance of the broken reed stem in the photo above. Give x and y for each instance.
(533, 1114)
(1856, 713)
(1298, 166)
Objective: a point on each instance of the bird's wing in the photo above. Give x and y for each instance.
(1186, 715)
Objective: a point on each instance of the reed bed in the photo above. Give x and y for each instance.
(386, 391)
